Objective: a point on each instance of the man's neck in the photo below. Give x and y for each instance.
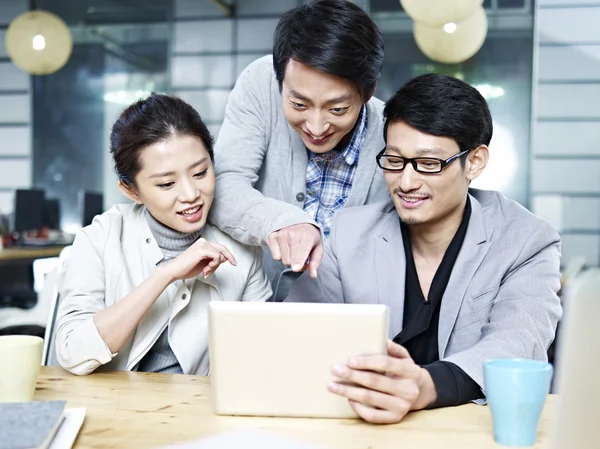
(430, 241)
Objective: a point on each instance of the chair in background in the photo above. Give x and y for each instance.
(32, 321)
(49, 354)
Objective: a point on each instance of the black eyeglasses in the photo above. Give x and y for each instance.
(426, 165)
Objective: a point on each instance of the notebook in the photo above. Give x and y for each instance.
(30, 425)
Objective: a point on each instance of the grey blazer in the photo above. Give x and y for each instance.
(260, 161)
(501, 300)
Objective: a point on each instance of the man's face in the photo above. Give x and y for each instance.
(429, 198)
(322, 108)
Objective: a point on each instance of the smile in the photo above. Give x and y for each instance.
(317, 139)
(190, 211)
(411, 202)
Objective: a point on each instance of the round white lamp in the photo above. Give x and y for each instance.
(440, 12)
(452, 43)
(38, 42)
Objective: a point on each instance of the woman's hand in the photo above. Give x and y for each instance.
(202, 257)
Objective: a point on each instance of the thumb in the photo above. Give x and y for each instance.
(398, 351)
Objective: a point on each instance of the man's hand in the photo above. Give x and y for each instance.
(293, 245)
(386, 387)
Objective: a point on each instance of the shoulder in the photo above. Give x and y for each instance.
(110, 225)
(353, 223)
(259, 73)
(374, 141)
(375, 106)
(262, 65)
(375, 113)
(509, 217)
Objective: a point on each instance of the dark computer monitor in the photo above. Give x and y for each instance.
(92, 204)
(52, 213)
(28, 210)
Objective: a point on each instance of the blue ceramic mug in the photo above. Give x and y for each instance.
(516, 390)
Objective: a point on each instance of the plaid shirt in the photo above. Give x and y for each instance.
(329, 177)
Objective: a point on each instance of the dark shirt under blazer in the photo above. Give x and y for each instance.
(419, 334)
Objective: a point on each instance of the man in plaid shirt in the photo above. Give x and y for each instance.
(329, 177)
(300, 136)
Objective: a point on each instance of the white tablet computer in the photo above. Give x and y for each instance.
(275, 359)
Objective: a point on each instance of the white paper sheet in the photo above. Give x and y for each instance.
(69, 429)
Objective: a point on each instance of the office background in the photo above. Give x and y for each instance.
(539, 68)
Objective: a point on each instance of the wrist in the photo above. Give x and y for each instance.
(163, 275)
(427, 391)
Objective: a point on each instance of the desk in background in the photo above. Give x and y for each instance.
(144, 410)
(28, 254)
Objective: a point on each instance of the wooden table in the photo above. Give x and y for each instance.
(143, 410)
(29, 253)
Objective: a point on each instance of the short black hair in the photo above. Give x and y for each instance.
(148, 121)
(334, 36)
(442, 106)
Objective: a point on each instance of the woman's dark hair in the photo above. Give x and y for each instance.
(333, 36)
(154, 119)
(442, 106)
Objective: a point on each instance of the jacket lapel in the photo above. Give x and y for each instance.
(299, 163)
(365, 170)
(147, 253)
(390, 269)
(474, 248)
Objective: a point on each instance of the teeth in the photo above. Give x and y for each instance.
(190, 211)
(317, 138)
(412, 200)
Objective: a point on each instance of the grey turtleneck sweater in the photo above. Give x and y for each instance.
(161, 358)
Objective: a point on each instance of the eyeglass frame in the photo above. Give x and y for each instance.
(413, 162)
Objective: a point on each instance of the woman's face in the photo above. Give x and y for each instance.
(176, 182)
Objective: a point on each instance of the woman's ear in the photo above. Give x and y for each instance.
(129, 191)
(477, 161)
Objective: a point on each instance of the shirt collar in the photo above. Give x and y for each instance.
(352, 150)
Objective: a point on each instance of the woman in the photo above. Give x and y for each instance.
(135, 290)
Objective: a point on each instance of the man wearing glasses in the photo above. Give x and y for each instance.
(468, 275)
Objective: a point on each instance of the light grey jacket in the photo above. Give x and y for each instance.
(114, 255)
(500, 302)
(261, 161)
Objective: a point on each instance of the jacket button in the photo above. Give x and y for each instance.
(300, 197)
(148, 240)
(184, 296)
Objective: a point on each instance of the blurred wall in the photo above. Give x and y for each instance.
(15, 114)
(565, 181)
(209, 50)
